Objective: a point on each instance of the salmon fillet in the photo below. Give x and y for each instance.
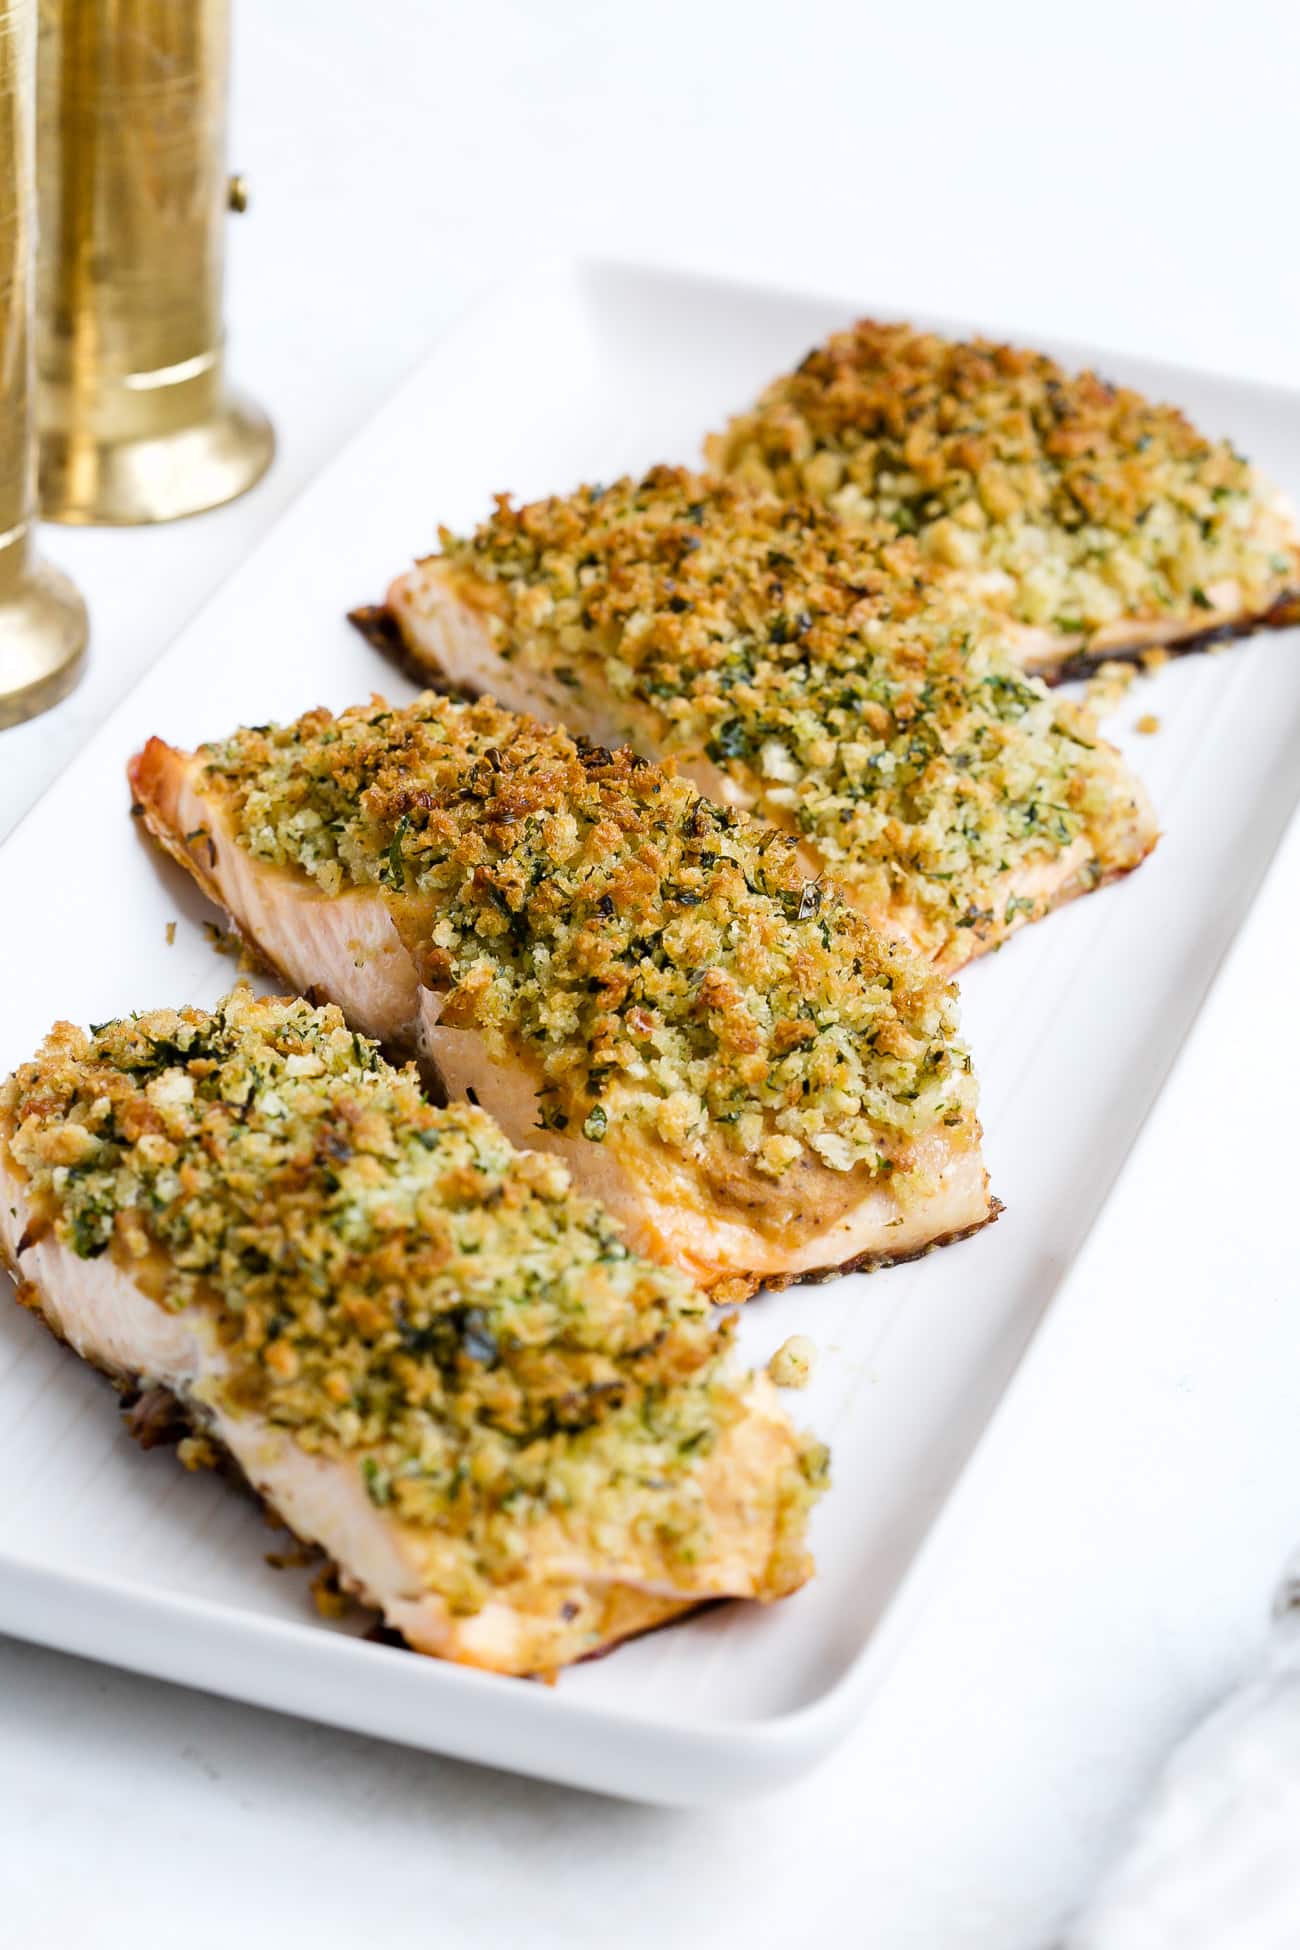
(758, 1086)
(516, 1439)
(832, 684)
(1100, 525)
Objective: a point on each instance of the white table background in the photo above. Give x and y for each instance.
(1118, 171)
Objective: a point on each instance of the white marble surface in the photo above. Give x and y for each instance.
(1122, 173)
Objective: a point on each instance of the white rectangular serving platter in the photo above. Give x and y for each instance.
(580, 373)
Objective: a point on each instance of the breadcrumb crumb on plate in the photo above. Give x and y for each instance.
(792, 1364)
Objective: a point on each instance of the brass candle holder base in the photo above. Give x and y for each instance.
(136, 421)
(43, 633)
(155, 476)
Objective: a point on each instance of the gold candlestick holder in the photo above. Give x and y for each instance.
(42, 618)
(137, 423)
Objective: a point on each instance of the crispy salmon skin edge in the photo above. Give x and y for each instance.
(876, 1262)
(1282, 614)
(379, 626)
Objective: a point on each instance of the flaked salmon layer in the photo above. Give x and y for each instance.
(950, 864)
(696, 1205)
(568, 1595)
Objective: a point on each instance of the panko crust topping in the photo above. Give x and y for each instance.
(869, 706)
(665, 965)
(1072, 502)
(395, 1284)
